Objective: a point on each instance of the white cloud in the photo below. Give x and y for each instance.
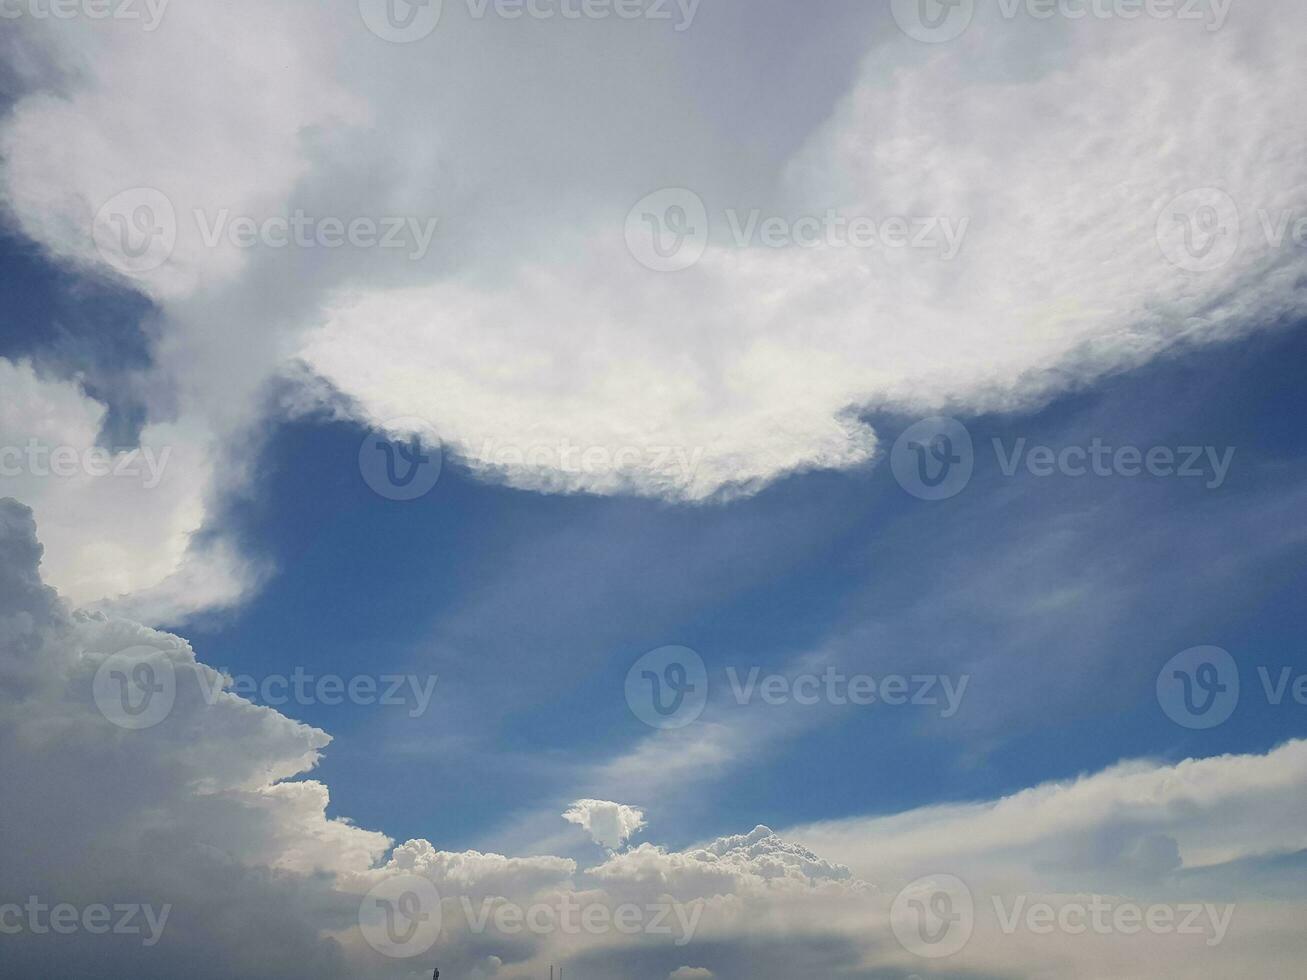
(1216, 831)
(608, 824)
(754, 361)
(206, 811)
(115, 523)
(690, 973)
(529, 337)
(752, 863)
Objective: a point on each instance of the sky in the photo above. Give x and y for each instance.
(667, 490)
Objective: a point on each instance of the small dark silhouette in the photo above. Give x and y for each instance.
(436, 975)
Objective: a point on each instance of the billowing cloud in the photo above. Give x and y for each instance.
(608, 824)
(117, 520)
(204, 810)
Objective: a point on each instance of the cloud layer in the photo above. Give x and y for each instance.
(529, 335)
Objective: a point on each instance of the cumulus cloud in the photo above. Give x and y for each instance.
(752, 863)
(117, 521)
(608, 824)
(208, 812)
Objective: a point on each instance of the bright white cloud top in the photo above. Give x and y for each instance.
(608, 824)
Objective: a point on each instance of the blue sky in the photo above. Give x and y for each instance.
(788, 537)
(530, 608)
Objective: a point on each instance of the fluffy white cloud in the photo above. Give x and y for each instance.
(544, 354)
(608, 824)
(207, 812)
(1216, 832)
(116, 521)
(1110, 824)
(747, 864)
(755, 362)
